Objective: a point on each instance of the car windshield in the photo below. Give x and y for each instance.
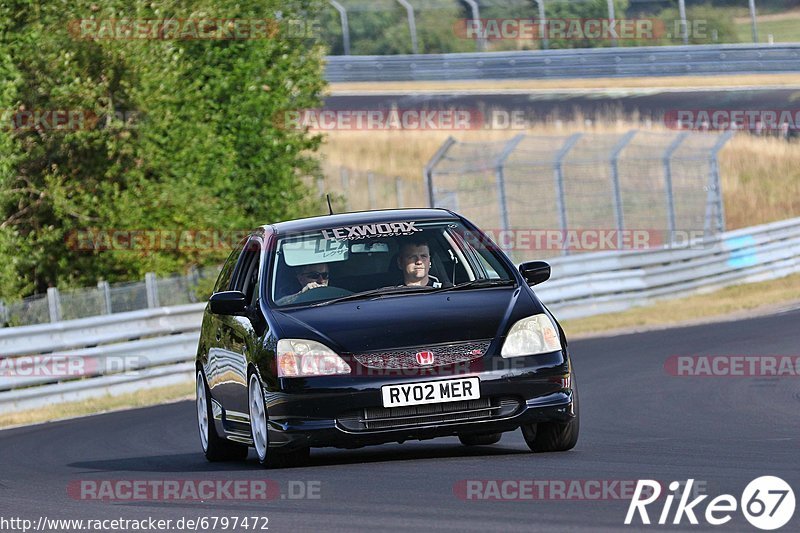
(382, 259)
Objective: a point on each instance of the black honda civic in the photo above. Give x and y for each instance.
(366, 328)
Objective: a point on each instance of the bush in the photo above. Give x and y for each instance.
(705, 25)
(187, 135)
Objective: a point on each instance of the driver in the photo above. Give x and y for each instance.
(309, 277)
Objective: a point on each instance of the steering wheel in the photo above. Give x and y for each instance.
(321, 293)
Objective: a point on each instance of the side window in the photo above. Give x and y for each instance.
(224, 279)
(486, 264)
(246, 276)
(490, 270)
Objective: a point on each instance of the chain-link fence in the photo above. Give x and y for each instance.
(387, 27)
(665, 185)
(107, 298)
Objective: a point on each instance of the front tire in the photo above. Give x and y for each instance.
(554, 436)
(214, 447)
(260, 434)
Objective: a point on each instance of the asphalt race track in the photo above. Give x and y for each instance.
(637, 422)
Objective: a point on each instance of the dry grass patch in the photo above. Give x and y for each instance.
(744, 299)
(760, 80)
(405, 153)
(143, 398)
(760, 180)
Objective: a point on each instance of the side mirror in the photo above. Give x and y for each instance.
(535, 272)
(228, 303)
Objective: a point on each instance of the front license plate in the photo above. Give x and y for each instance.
(450, 390)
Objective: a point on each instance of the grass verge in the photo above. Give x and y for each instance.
(728, 303)
(784, 27)
(143, 398)
(691, 82)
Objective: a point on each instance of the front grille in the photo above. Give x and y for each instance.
(444, 354)
(374, 418)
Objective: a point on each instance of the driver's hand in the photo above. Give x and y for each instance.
(312, 285)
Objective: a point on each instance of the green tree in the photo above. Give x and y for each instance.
(189, 135)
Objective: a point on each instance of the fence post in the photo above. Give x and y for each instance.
(714, 202)
(754, 20)
(684, 27)
(412, 25)
(476, 16)
(543, 26)
(345, 187)
(611, 18)
(5, 317)
(151, 288)
(345, 26)
(505, 224)
(427, 173)
(668, 183)
(398, 188)
(192, 280)
(54, 304)
(619, 215)
(371, 189)
(558, 176)
(105, 290)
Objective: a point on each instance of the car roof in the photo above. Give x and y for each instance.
(360, 217)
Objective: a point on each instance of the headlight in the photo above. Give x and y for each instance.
(530, 336)
(302, 358)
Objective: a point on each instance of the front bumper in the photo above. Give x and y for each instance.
(331, 411)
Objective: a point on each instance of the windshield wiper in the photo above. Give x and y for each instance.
(400, 289)
(479, 284)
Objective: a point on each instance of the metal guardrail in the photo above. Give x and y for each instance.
(78, 390)
(158, 345)
(572, 63)
(117, 353)
(605, 282)
(105, 329)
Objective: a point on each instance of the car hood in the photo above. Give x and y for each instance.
(409, 320)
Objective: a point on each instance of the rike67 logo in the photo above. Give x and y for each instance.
(767, 503)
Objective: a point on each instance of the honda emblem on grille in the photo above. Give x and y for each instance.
(424, 358)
